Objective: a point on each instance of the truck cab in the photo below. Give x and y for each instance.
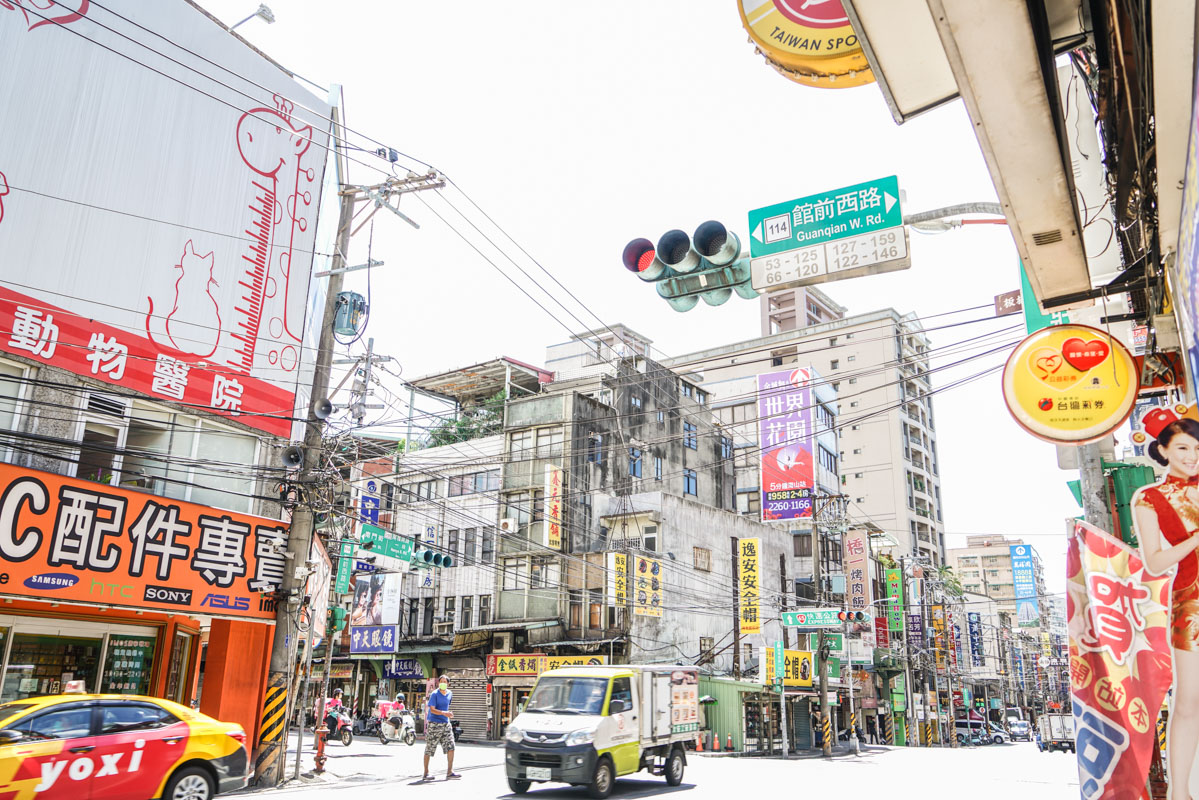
(588, 725)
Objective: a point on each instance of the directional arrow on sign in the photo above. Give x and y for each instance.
(757, 232)
(889, 200)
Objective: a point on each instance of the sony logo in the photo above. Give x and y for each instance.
(166, 594)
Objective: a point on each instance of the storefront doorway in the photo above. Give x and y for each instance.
(41, 654)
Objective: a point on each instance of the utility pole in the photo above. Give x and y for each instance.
(1093, 487)
(269, 761)
(736, 608)
(783, 598)
(854, 744)
(819, 516)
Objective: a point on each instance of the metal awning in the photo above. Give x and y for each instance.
(480, 381)
(582, 644)
(406, 649)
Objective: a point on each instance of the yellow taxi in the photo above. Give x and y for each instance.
(116, 747)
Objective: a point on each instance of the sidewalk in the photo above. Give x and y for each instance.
(368, 761)
(840, 750)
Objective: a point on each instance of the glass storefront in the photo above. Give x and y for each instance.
(39, 655)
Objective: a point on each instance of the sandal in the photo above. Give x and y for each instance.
(452, 776)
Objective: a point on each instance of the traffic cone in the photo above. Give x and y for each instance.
(699, 742)
(730, 743)
(716, 743)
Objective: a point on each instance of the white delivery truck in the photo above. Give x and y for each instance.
(587, 725)
(1056, 732)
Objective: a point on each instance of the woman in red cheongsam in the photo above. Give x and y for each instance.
(1167, 522)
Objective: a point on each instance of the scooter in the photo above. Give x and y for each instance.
(340, 727)
(398, 727)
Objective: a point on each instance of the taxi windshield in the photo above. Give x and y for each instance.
(568, 696)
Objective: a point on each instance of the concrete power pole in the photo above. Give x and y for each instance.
(1093, 484)
(272, 748)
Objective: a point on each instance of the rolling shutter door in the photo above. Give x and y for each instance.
(470, 706)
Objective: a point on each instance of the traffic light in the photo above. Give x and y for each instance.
(336, 621)
(424, 557)
(686, 268)
(851, 616)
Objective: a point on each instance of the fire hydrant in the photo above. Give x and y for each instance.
(322, 733)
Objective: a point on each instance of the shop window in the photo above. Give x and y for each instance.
(38, 665)
(127, 666)
(467, 611)
(178, 668)
(484, 609)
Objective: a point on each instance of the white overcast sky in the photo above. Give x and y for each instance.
(579, 126)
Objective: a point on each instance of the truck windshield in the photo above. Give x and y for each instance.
(568, 696)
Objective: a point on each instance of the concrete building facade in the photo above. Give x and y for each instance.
(984, 566)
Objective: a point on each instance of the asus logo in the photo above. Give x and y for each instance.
(225, 601)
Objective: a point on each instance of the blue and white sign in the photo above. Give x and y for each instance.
(975, 626)
(366, 639)
(403, 669)
(1028, 609)
(368, 509)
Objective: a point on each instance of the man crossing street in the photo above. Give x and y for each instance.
(438, 730)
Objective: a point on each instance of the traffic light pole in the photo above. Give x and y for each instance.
(854, 744)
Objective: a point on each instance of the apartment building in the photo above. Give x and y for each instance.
(877, 365)
(984, 566)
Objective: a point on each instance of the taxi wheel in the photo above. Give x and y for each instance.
(190, 783)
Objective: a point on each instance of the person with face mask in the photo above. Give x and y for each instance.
(438, 730)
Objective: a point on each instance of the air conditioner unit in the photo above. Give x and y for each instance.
(501, 643)
(443, 628)
(508, 525)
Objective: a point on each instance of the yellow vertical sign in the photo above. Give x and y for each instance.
(553, 507)
(749, 585)
(620, 579)
(797, 667)
(939, 636)
(647, 582)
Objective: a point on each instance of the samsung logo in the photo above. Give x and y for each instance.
(49, 581)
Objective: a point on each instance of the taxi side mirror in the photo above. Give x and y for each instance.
(10, 737)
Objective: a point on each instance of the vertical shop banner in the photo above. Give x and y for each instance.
(1120, 653)
(894, 578)
(345, 568)
(857, 569)
(939, 638)
(749, 585)
(619, 568)
(647, 583)
(317, 588)
(1028, 609)
(975, 625)
(220, 194)
(69, 540)
(882, 638)
(553, 507)
(787, 453)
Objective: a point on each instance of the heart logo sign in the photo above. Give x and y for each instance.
(1051, 369)
(1085, 355)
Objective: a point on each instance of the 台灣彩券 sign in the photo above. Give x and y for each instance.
(1070, 384)
(749, 583)
(787, 463)
(74, 541)
(647, 587)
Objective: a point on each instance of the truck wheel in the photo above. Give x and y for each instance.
(674, 767)
(602, 779)
(518, 786)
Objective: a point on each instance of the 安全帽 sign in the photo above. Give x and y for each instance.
(844, 233)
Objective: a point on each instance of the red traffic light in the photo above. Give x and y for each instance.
(638, 255)
(843, 616)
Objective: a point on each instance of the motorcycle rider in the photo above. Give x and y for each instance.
(334, 704)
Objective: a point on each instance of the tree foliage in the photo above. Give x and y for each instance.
(475, 422)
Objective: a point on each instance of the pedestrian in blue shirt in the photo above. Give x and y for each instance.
(438, 730)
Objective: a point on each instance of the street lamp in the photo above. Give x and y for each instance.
(263, 13)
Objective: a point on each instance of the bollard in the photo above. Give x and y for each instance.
(729, 747)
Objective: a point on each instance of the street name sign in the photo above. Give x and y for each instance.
(844, 233)
(814, 618)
